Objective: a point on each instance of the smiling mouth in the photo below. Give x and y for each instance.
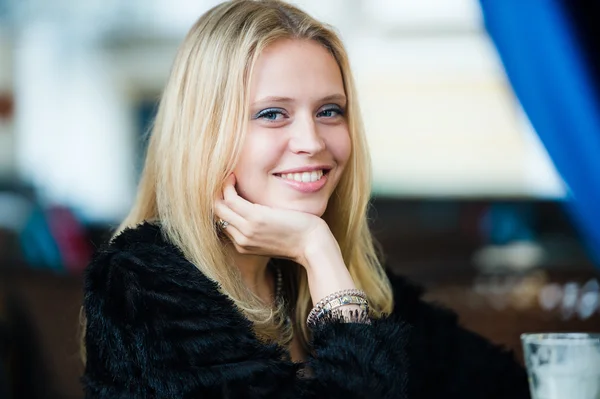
(304, 177)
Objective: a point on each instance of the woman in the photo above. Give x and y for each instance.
(251, 218)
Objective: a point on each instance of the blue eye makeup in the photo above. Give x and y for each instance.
(270, 114)
(274, 114)
(331, 111)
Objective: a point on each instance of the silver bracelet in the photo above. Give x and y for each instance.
(362, 303)
(332, 310)
(343, 297)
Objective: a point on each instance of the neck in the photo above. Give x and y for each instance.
(255, 274)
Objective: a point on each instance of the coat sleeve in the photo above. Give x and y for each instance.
(448, 360)
(157, 328)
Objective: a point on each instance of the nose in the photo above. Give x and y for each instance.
(305, 137)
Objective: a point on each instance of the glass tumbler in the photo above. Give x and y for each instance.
(563, 365)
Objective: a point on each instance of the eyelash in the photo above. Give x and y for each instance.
(269, 111)
(334, 108)
(279, 111)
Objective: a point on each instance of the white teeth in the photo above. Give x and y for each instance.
(304, 177)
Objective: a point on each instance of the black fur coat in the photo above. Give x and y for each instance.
(158, 328)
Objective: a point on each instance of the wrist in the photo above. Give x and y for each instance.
(324, 264)
(320, 246)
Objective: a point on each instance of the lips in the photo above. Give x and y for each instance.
(305, 182)
(306, 168)
(305, 177)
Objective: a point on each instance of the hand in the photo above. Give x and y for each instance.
(302, 237)
(261, 230)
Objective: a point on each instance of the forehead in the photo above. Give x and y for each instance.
(294, 68)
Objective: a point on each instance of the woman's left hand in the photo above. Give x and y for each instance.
(266, 231)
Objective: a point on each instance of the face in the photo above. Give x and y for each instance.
(297, 143)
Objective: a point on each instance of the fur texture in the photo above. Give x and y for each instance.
(158, 328)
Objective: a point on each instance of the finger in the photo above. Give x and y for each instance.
(230, 216)
(233, 200)
(231, 179)
(228, 180)
(236, 237)
(229, 189)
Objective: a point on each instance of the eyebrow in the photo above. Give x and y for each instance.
(278, 99)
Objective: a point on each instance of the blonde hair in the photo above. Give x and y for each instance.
(196, 140)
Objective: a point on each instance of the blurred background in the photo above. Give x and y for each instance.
(482, 118)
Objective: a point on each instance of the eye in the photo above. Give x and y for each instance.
(331, 111)
(271, 114)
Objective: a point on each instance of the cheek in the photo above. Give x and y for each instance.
(245, 170)
(260, 155)
(340, 146)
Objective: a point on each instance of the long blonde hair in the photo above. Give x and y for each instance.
(196, 140)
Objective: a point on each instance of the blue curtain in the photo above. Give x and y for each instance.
(551, 74)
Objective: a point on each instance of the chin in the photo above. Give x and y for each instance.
(314, 206)
(313, 209)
